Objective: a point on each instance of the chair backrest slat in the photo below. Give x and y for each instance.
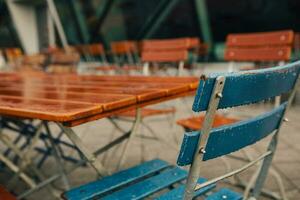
(259, 54)
(95, 49)
(123, 47)
(230, 138)
(166, 56)
(248, 87)
(274, 38)
(170, 44)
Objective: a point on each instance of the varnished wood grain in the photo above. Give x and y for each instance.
(258, 54)
(72, 97)
(169, 44)
(274, 38)
(5, 195)
(146, 112)
(77, 122)
(123, 47)
(107, 101)
(259, 47)
(195, 123)
(165, 56)
(51, 110)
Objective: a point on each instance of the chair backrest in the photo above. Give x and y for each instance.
(265, 46)
(236, 89)
(13, 53)
(35, 59)
(63, 63)
(169, 44)
(64, 58)
(95, 49)
(124, 47)
(168, 50)
(165, 56)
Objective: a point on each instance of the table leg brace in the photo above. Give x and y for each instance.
(90, 157)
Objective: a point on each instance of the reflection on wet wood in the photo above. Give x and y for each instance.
(72, 97)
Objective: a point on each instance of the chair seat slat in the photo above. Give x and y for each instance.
(119, 179)
(149, 186)
(223, 194)
(177, 193)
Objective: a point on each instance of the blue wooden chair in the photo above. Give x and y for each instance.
(214, 92)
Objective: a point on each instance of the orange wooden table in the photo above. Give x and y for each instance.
(71, 100)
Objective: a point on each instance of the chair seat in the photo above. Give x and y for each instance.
(136, 183)
(5, 195)
(147, 112)
(195, 123)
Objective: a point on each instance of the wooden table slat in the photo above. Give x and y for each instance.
(50, 110)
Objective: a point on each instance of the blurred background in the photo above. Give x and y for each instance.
(25, 23)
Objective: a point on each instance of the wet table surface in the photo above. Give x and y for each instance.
(75, 99)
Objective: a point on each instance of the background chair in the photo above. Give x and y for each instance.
(125, 53)
(264, 49)
(190, 46)
(63, 63)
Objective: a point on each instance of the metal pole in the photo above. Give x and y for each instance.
(58, 24)
(204, 24)
(159, 18)
(81, 21)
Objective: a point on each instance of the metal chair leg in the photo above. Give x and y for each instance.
(30, 182)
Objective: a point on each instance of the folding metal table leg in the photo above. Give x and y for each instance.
(74, 167)
(27, 161)
(13, 167)
(26, 154)
(90, 157)
(16, 169)
(133, 133)
(57, 157)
